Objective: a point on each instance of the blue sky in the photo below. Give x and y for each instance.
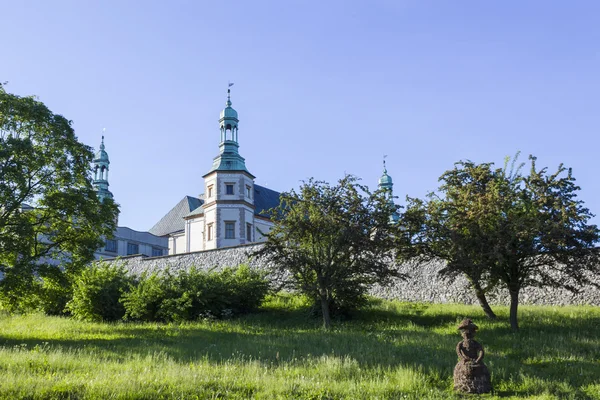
(322, 88)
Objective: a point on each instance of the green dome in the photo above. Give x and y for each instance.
(228, 112)
(101, 155)
(385, 180)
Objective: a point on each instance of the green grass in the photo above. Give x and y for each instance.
(389, 351)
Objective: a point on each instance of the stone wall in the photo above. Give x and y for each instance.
(424, 284)
(207, 259)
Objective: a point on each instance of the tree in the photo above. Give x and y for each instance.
(453, 225)
(332, 242)
(500, 226)
(542, 236)
(48, 206)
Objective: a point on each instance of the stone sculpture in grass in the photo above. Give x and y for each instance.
(470, 374)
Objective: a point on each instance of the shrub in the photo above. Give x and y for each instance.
(193, 294)
(97, 291)
(247, 288)
(54, 293)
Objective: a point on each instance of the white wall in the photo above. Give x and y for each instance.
(264, 226)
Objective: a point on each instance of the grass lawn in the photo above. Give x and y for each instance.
(389, 351)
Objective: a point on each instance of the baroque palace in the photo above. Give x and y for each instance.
(229, 213)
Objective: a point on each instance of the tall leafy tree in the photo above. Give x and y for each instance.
(332, 242)
(542, 236)
(48, 206)
(453, 225)
(497, 225)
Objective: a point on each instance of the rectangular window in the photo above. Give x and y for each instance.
(229, 188)
(248, 192)
(230, 230)
(156, 252)
(210, 191)
(210, 231)
(249, 232)
(111, 245)
(133, 248)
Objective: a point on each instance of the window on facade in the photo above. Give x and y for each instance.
(249, 232)
(133, 248)
(230, 230)
(229, 188)
(210, 191)
(156, 252)
(248, 191)
(111, 245)
(209, 230)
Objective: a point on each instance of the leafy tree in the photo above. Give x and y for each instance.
(454, 224)
(501, 226)
(332, 242)
(48, 207)
(541, 236)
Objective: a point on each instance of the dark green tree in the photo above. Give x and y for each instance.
(48, 206)
(453, 225)
(542, 236)
(501, 226)
(332, 242)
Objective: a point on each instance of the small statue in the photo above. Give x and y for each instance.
(470, 374)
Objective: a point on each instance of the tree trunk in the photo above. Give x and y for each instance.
(514, 304)
(480, 293)
(325, 311)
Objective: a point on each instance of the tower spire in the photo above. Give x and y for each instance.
(101, 163)
(229, 158)
(386, 184)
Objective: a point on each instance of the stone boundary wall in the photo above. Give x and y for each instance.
(423, 285)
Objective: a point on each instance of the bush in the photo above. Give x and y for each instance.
(55, 291)
(97, 292)
(193, 294)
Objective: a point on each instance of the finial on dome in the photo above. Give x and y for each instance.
(384, 167)
(102, 143)
(229, 85)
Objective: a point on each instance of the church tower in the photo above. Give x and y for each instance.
(229, 190)
(386, 184)
(100, 181)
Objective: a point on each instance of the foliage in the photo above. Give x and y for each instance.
(189, 295)
(55, 291)
(499, 225)
(332, 242)
(454, 224)
(390, 350)
(48, 206)
(97, 292)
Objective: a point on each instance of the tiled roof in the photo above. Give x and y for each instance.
(195, 211)
(264, 199)
(173, 220)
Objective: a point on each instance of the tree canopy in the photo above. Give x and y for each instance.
(48, 206)
(332, 242)
(498, 225)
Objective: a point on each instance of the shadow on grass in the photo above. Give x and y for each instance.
(375, 338)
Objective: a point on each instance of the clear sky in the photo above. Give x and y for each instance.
(322, 87)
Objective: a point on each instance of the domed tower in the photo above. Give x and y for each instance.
(229, 158)
(228, 189)
(386, 184)
(100, 181)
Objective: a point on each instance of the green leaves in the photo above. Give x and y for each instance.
(498, 225)
(332, 242)
(48, 207)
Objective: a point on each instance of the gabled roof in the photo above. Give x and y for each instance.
(173, 220)
(264, 199)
